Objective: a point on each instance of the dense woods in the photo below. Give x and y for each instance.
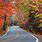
(28, 14)
(6, 11)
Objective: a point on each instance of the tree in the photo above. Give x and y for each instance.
(6, 11)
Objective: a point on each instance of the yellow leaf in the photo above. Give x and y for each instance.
(38, 15)
(40, 24)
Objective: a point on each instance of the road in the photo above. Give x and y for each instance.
(16, 34)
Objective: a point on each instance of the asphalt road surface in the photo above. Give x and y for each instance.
(16, 34)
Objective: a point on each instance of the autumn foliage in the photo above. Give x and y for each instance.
(30, 15)
(6, 10)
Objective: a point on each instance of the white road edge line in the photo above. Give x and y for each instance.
(30, 34)
(35, 37)
(4, 34)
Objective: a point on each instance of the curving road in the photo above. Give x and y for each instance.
(16, 34)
